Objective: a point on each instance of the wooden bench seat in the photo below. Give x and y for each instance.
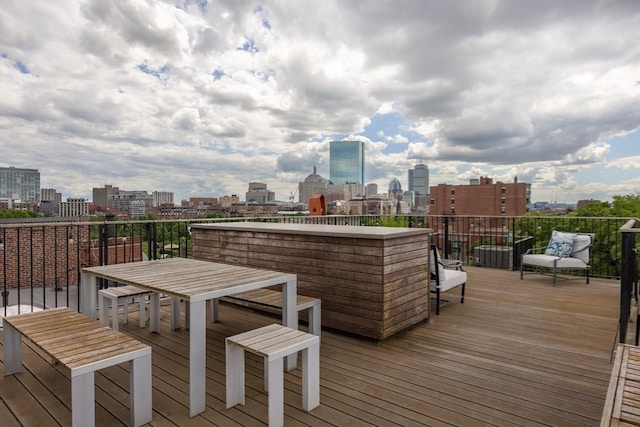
(271, 300)
(113, 296)
(82, 346)
(273, 343)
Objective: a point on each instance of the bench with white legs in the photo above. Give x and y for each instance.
(82, 346)
(113, 296)
(271, 300)
(274, 343)
(261, 299)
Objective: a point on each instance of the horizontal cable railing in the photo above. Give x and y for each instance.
(41, 262)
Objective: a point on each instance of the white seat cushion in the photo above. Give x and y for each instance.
(541, 260)
(450, 279)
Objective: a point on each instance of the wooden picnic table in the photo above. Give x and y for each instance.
(622, 405)
(194, 281)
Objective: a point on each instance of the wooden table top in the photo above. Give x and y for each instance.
(622, 406)
(189, 278)
(351, 231)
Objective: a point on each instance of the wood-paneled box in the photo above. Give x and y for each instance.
(373, 281)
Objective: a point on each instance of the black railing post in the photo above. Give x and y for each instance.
(103, 250)
(625, 283)
(445, 244)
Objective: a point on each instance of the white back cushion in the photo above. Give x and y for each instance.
(582, 241)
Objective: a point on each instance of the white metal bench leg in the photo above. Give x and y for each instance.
(143, 315)
(315, 326)
(234, 365)
(154, 312)
(140, 391)
(12, 350)
(105, 303)
(175, 313)
(311, 377)
(275, 373)
(102, 310)
(176, 323)
(125, 311)
(83, 411)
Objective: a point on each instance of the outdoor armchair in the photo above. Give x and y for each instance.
(445, 275)
(565, 251)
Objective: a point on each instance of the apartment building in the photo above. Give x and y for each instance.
(481, 197)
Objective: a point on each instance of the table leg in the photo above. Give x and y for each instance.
(12, 350)
(88, 295)
(197, 357)
(290, 316)
(140, 391)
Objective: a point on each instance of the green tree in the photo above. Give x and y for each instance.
(626, 206)
(17, 213)
(595, 209)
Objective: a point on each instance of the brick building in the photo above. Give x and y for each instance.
(481, 197)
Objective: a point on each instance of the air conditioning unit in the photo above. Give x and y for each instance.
(493, 256)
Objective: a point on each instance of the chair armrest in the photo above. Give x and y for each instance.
(456, 264)
(534, 250)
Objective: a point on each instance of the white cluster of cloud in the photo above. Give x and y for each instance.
(202, 97)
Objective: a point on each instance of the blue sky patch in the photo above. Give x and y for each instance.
(202, 5)
(23, 68)
(160, 73)
(249, 46)
(19, 65)
(217, 74)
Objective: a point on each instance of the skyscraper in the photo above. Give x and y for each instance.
(346, 162)
(419, 184)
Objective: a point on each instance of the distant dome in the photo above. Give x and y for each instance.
(395, 185)
(314, 177)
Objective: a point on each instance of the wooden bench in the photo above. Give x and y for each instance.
(271, 300)
(82, 346)
(622, 405)
(114, 295)
(274, 343)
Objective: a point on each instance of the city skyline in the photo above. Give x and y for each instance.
(200, 98)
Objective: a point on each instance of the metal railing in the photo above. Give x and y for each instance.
(628, 278)
(40, 262)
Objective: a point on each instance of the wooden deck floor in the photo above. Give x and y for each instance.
(516, 353)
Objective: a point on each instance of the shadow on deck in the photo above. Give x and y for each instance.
(518, 352)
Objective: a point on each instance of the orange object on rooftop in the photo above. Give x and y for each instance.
(317, 205)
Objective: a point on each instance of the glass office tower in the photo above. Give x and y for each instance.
(346, 162)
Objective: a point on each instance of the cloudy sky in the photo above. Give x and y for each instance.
(202, 97)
